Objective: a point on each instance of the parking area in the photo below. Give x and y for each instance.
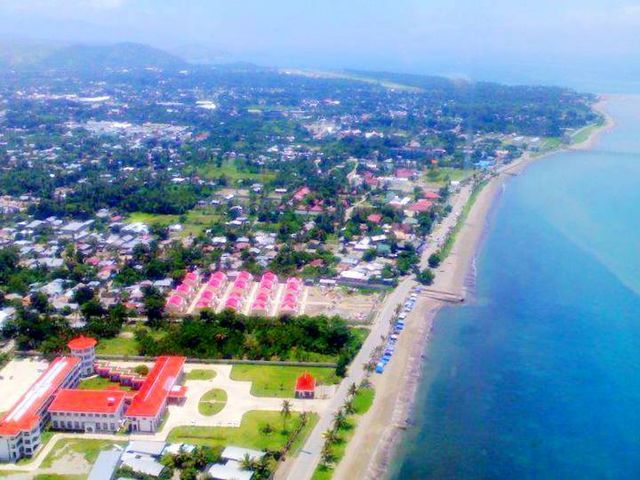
(16, 377)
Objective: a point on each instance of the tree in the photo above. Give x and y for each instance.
(353, 389)
(153, 305)
(339, 420)
(425, 277)
(435, 259)
(330, 436)
(285, 411)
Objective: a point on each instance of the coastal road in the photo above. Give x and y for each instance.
(303, 466)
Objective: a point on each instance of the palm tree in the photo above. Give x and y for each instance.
(326, 455)
(348, 407)
(285, 411)
(339, 420)
(304, 418)
(353, 389)
(330, 436)
(247, 463)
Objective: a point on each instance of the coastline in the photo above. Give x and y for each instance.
(379, 431)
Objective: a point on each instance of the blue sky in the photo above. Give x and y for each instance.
(519, 40)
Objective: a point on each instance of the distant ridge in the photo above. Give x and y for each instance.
(116, 56)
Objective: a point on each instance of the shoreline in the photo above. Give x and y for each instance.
(380, 431)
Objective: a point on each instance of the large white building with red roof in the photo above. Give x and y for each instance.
(53, 397)
(21, 426)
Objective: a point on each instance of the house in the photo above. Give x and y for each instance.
(305, 386)
(230, 466)
(88, 411)
(106, 465)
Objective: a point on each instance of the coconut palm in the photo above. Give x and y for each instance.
(339, 420)
(349, 409)
(330, 436)
(247, 463)
(285, 411)
(353, 389)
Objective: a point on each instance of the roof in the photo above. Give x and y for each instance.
(229, 471)
(155, 390)
(144, 465)
(24, 414)
(93, 401)
(305, 383)
(238, 453)
(105, 465)
(146, 447)
(82, 342)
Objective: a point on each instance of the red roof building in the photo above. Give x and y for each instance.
(305, 386)
(150, 403)
(374, 218)
(20, 427)
(82, 343)
(88, 401)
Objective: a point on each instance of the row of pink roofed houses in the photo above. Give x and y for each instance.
(211, 295)
(240, 289)
(266, 292)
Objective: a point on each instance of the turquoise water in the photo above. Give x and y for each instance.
(539, 376)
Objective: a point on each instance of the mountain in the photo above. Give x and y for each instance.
(116, 56)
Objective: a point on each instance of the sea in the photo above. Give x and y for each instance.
(538, 375)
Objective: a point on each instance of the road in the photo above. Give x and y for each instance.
(304, 465)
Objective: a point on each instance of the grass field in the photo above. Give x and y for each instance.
(55, 476)
(250, 434)
(212, 402)
(201, 374)
(117, 346)
(195, 222)
(87, 447)
(99, 383)
(583, 134)
(231, 171)
(361, 404)
(440, 176)
(277, 381)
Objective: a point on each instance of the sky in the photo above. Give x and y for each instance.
(561, 41)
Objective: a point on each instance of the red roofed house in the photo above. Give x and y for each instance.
(305, 386)
(431, 195)
(84, 348)
(421, 206)
(161, 386)
(405, 173)
(21, 426)
(88, 410)
(301, 193)
(374, 218)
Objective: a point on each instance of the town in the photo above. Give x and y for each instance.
(203, 268)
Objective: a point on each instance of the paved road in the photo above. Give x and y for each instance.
(303, 466)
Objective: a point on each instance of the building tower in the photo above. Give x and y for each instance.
(84, 348)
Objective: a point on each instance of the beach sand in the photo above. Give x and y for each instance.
(373, 445)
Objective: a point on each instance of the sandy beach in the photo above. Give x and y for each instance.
(379, 430)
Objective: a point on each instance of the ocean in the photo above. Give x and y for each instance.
(538, 375)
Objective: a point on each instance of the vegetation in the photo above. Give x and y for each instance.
(279, 381)
(231, 335)
(87, 447)
(212, 402)
(201, 374)
(99, 383)
(258, 430)
(344, 423)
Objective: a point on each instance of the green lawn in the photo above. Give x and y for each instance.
(583, 134)
(201, 374)
(55, 476)
(231, 171)
(361, 403)
(117, 346)
(279, 381)
(212, 402)
(197, 220)
(87, 447)
(99, 383)
(439, 176)
(250, 434)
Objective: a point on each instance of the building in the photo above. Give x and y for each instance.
(230, 466)
(159, 389)
(88, 411)
(106, 465)
(305, 386)
(84, 348)
(20, 428)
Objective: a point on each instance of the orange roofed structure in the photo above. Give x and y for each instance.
(305, 386)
